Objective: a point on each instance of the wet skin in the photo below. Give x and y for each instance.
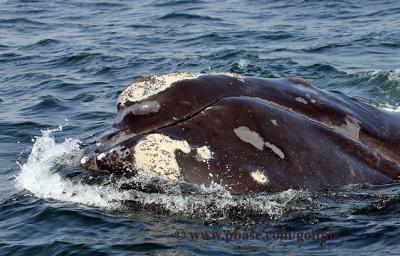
(263, 135)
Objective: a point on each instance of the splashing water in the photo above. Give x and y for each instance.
(397, 109)
(390, 108)
(39, 176)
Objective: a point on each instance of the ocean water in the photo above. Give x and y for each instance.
(63, 65)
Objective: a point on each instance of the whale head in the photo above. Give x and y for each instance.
(148, 105)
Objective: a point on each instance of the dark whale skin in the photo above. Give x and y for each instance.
(301, 137)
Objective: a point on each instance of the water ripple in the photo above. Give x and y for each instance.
(177, 15)
(66, 62)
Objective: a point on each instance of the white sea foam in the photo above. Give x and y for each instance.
(390, 75)
(394, 75)
(397, 109)
(390, 108)
(39, 176)
(243, 64)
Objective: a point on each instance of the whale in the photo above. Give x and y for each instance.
(247, 134)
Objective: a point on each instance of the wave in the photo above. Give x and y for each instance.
(384, 85)
(178, 15)
(391, 75)
(43, 43)
(46, 103)
(83, 58)
(322, 48)
(20, 21)
(177, 2)
(275, 35)
(137, 26)
(380, 87)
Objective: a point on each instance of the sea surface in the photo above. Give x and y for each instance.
(63, 65)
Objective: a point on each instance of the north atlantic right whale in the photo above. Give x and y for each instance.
(248, 134)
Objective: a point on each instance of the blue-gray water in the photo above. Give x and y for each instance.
(65, 63)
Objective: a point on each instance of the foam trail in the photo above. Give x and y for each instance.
(39, 177)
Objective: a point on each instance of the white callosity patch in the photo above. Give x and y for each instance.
(249, 136)
(351, 128)
(313, 101)
(142, 89)
(353, 173)
(275, 149)
(149, 86)
(252, 137)
(299, 80)
(84, 160)
(101, 156)
(234, 75)
(274, 122)
(156, 153)
(259, 177)
(301, 100)
(203, 154)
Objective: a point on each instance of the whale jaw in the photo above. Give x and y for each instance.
(116, 160)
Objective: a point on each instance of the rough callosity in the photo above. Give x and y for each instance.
(203, 154)
(259, 177)
(301, 100)
(300, 80)
(146, 87)
(351, 127)
(156, 153)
